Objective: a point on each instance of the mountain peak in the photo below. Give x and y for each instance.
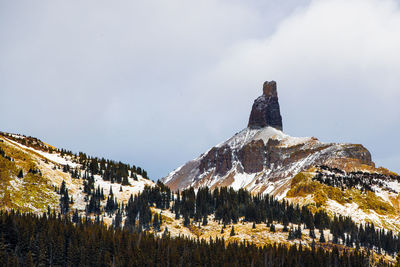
(269, 89)
(265, 110)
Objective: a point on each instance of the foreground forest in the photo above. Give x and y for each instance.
(54, 240)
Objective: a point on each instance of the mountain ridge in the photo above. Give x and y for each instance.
(264, 160)
(245, 151)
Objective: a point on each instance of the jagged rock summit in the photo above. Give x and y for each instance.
(265, 110)
(263, 159)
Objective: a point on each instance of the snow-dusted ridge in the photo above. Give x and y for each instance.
(247, 135)
(193, 177)
(51, 166)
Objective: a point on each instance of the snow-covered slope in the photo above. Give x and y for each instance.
(272, 156)
(43, 169)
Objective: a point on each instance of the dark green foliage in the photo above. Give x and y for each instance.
(186, 220)
(3, 154)
(117, 221)
(322, 237)
(52, 241)
(345, 180)
(125, 181)
(115, 172)
(227, 205)
(64, 199)
(205, 220)
(111, 205)
(232, 231)
(312, 233)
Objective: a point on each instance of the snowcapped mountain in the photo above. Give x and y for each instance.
(263, 159)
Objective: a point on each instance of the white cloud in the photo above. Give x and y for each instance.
(337, 68)
(158, 82)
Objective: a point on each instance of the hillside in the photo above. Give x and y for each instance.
(261, 186)
(32, 173)
(38, 178)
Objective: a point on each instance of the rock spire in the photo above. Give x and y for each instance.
(265, 110)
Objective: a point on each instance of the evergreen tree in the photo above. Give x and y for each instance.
(118, 220)
(321, 236)
(125, 181)
(272, 228)
(232, 231)
(205, 220)
(186, 220)
(298, 232)
(156, 225)
(312, 233)
(291, 235)
(75, 217)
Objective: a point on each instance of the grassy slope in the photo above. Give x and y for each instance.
(32, 193)
(362, 207)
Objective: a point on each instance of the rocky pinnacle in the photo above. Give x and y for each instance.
(265, 110)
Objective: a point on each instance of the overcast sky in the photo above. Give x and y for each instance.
(156, 83)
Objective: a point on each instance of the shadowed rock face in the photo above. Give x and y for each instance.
(253, 156)
(265, 110)
(218, 158)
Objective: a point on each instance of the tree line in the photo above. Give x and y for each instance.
(364, 181)
(54, 240)
(228, 206)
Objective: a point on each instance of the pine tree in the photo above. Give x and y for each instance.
(232, 231)
(156, 225)
(298, 232)
(312, 233)
(335, 239)
(62, 188)
(321, 236)
(111, 192)
(118, 220)
(125, 181)
(291, 234)
(75, 216)
(205, 221)
(186, 220)
(272, 228)
(166, 233)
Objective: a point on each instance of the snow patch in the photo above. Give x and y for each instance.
(241, 180)
(55, 157)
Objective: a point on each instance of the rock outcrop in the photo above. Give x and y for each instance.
(219, 158)
(252, 156)
(261, 158)
(265, 110)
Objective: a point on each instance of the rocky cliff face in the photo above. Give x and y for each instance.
(261, 158)
(265, 110)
